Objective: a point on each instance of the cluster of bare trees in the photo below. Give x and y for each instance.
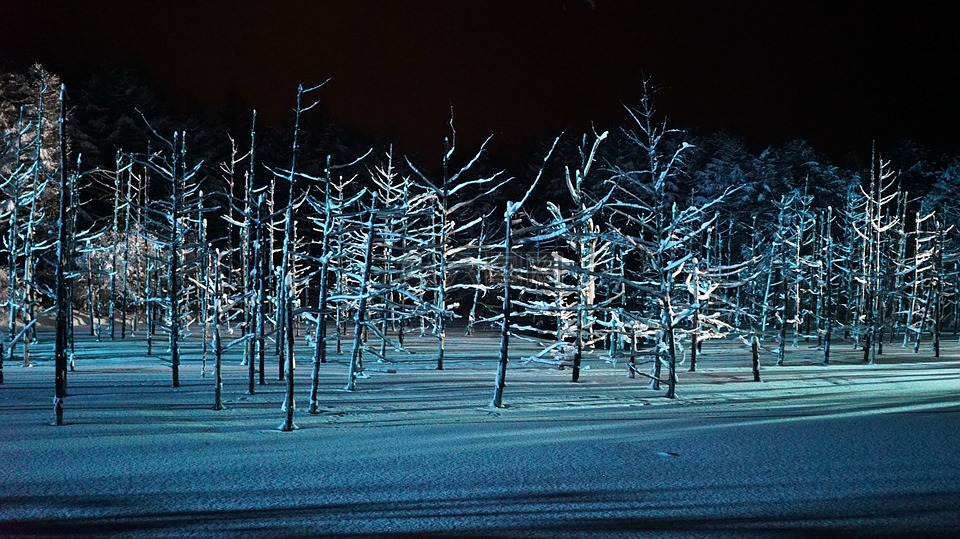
(628, 263)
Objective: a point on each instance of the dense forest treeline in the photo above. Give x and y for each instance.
(638, 241)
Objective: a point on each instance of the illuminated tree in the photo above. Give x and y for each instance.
(535, 234)
(454, 194)
(64, 259)
(649, 219)
(167, 223)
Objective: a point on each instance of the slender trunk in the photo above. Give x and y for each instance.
(908, 323)
(90, 303)
(204, 256)
(356, 359)
(388, 310)
(173, 264)
(657, 364)
(217, 341)
(114, 271)
(63, 289)
(938, 305)
(125, 259)
(251, 313)
(247, 258)
(782, 310)
(150, 309)
(671, 349)
(828, 286)
(441, 297)
(280, 325)
(766, 298)
(755, 352)
(797, 297)
(339, 323)
(289, 404)
(262, 259)
(472, 316)
(695, 333)
(500, 382)
(320, 353)
(285, 285)
(881, 327)
(581, 301)
(923, 318)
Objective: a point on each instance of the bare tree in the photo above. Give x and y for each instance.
(166, 228)
(452, 197)
(871, 226)
(661, 233)
(64, 250)
(363, 296)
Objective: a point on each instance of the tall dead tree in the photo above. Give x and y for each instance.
(64, 251)
(24, 186)
(285, 292)
(828, 283)
(14, 190)
(662, 233)
(454, 193)
(330, 224)
(584, 239)
(871, 227)
(167, 229)
(363, 296)
(536, 233)
(509, 215)
(216, 282)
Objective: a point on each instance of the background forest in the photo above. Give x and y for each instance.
(637, 240)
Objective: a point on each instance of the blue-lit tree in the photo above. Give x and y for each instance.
(662, 234)
(167, 226)
(453, 194)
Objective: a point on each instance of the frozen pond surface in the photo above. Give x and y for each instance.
(813, 451)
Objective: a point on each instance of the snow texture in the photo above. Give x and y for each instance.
(847, 449)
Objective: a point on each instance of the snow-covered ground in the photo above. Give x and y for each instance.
(847, 449)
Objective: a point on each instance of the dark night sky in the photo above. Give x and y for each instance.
(839, 74)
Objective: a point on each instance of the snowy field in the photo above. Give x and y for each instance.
(844, 450)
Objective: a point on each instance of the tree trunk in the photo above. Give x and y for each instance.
(173, 263)
(217, 341)
(112, 306)
(63, 289)
(828, 286)
(356, 359)
(657, 364)
(320, 353)
(150, 311)
(938, 301)
(755, 352)
(671, 350)
(90, 301)
(782, 311)
(695, 333)
(923, 318)
(263, 256)
(500, 382)
(289, 402)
